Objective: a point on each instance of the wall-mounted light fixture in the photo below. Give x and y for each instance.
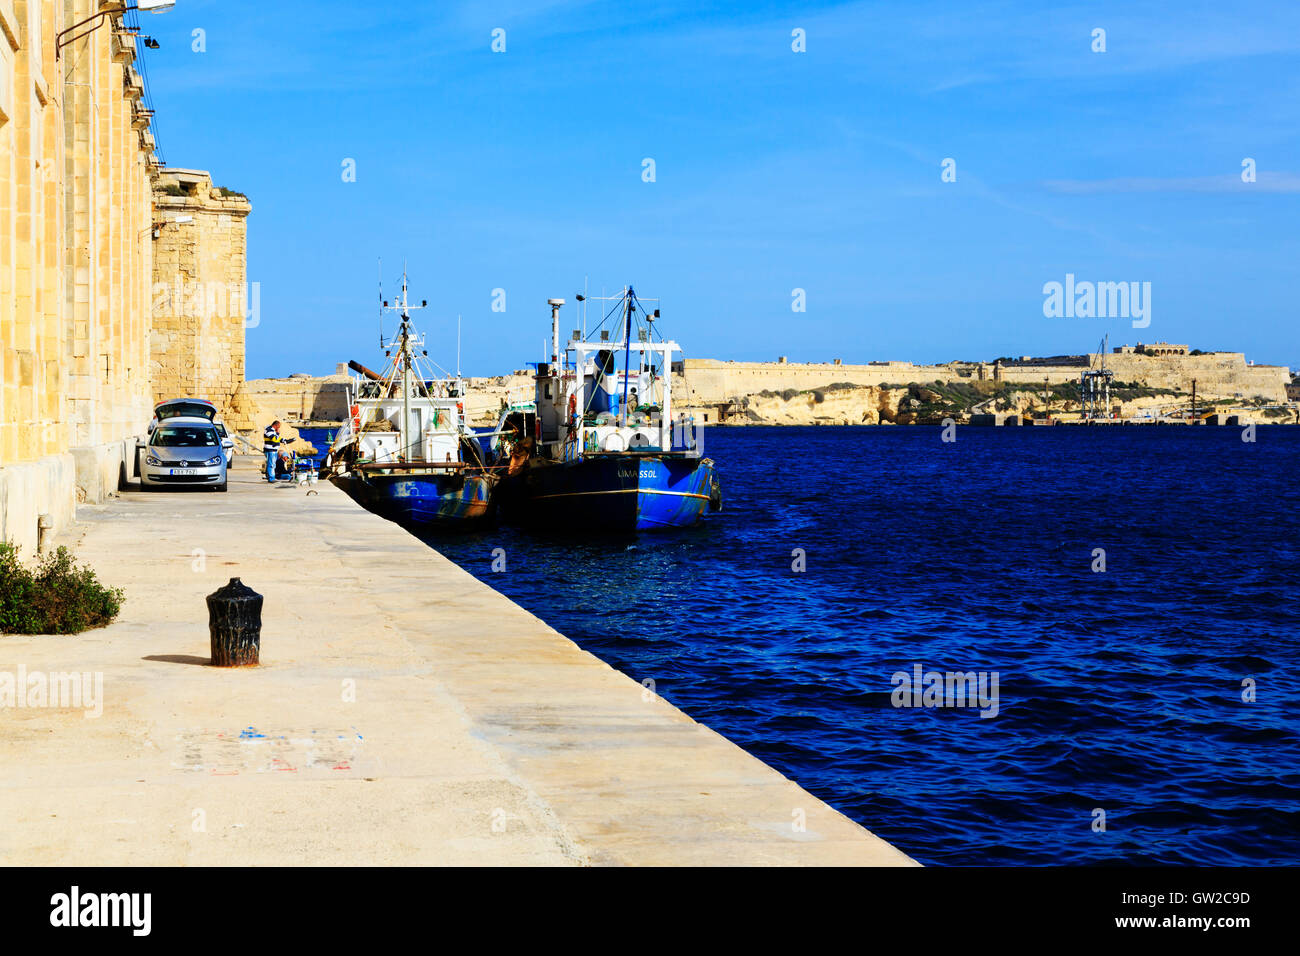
(148, 6)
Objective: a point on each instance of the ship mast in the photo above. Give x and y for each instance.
(406, 356)
(406, 374)
(627, 355)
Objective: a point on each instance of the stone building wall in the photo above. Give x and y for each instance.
(77, 166)
(1218, 374)
(323, 398)
(712, 382)
(201, 299)
(297, 399)
(33, 419)
(107, 210)
(709, 382)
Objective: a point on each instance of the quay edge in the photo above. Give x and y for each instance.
(475, 733)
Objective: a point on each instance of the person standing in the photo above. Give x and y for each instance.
(271, 447)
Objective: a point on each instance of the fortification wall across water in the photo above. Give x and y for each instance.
(299, 398)
(1227, 374)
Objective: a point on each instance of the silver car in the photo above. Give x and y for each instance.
(184, 451)
(227, 443)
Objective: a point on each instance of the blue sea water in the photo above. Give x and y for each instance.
(320, 439)
(1119, 690)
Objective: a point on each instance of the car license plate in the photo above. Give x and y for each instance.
(185, 471)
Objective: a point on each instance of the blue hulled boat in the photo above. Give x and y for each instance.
(444, 501)
(405, 451)
(599, 448)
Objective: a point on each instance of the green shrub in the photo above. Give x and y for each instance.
(15, 591)
(56, 597)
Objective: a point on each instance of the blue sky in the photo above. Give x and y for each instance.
(775, 170)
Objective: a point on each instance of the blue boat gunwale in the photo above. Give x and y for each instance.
(553, 492)
(467, 503)
(678, 454)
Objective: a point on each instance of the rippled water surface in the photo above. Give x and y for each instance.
(1118, 690)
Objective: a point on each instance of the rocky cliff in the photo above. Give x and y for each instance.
(848, 404)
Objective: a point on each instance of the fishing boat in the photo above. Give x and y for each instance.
(599, 449)
(405, 451)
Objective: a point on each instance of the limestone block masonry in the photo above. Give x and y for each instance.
(201, 299)
(299, 398)
(710, 382)
(79, 226)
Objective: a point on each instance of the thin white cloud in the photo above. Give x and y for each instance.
(1266, 182)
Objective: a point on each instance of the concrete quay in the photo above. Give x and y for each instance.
(403, 713)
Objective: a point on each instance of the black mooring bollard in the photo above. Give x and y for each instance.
(235, 624)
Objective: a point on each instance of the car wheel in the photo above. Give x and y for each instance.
(220, 487)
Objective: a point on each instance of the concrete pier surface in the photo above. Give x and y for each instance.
(403, 713)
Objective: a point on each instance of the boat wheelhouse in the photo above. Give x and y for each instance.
(606, 451)
(405, 451)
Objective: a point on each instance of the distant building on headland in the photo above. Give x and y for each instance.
(1154, 348)
(715, 384)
